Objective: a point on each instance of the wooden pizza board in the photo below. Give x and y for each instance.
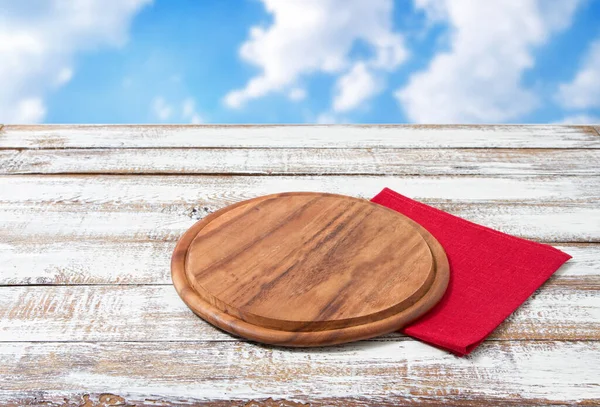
(308, 269)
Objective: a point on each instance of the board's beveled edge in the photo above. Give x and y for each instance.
(236, 326)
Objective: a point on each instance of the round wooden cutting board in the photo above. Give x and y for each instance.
(308, 269)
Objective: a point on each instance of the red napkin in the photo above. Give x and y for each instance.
(491, 274)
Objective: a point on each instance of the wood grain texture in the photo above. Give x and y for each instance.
(563, 309)
(114, 400)
(137, 208)
(88, 262)
(575, 222)
(109, 400)
(288, 161)
(146, 348)
(336, 136)
(309, 269)
(218, 191)
(379, 373)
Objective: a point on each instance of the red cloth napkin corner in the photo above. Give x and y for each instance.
(491, 275)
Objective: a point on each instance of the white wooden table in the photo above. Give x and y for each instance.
(89, 217)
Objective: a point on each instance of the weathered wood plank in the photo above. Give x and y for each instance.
(218, 191)
(156, 313)
(87, 262)
(379, 373)
(338, 136)
(147, 262)
(64, 222)
(55, 399)
(134, 208)
(373, 161)
(121, 229)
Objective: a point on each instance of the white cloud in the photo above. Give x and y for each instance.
(297, 94)
(351, 89)
(309, 36)
(188, 107)
(584, 91)
(164, 111)
(38, 43)
(64, 76)
(161, 109)
(196, 119)
(326, 118)
(175, 78)
(189, 111)
(479, 78)
(331, 118)
(580, 119)
(31, 110)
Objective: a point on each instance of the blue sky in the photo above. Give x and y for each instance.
(300, 61)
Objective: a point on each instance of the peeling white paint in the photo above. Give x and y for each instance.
(399, 136)
(114, 230)
(166, 190)
(156, 313)
(261, 161)
(546, 370)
